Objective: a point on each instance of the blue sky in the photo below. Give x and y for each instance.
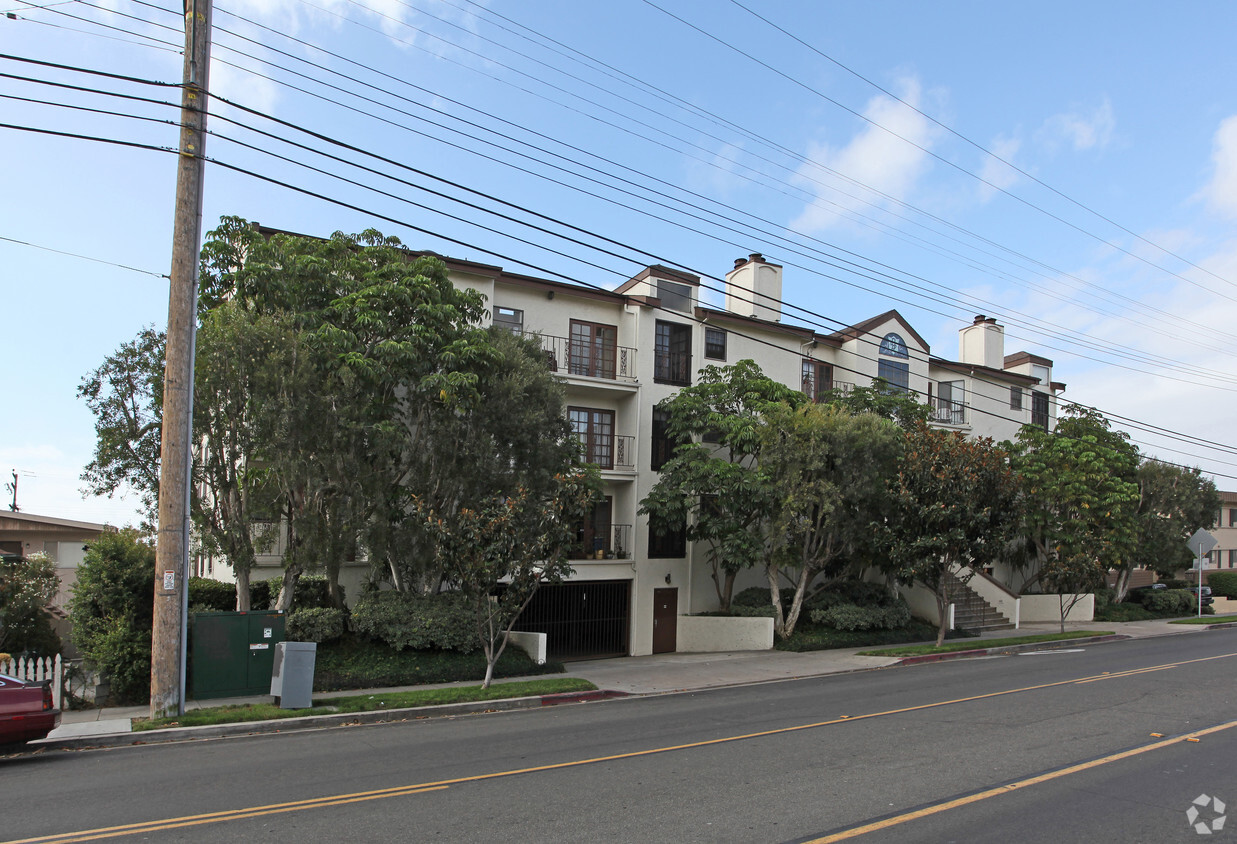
(691, 133)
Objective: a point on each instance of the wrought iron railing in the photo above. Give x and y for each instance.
(567, 356)
(601, 541)
(614, 452)
(946, 412)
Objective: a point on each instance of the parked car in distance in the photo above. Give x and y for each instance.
(1139, 593)
(1208, 599)
(26, 710)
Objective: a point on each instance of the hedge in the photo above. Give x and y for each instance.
(417, 622)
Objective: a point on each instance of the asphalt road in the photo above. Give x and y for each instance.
(1053, 747)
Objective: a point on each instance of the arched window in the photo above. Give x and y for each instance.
(893, 346)
(895, 372)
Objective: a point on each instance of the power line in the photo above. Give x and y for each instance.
(83, 257)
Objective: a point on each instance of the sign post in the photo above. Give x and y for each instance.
(1201, 543)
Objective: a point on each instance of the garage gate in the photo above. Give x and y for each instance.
(581, 620)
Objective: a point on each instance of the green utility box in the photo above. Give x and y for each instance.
(231, 653)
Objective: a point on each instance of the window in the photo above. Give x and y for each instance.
(714, 343)
(1232, 557)
(595, 533)
(1015, 398)
(510, 319)
(668, 544)
(1232, 518)
(950, 405)
(593, 347)
(817, 379)
(672, 358)
(595, 430)
(896, 373)
(893, 346)
(663, 444)
(1039, 409)
(674, 296)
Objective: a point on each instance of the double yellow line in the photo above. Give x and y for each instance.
(421, 788)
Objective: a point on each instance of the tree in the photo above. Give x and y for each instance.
(882, 400)
(1173, 503)
(716, 487)
(830, 469)
(497, 555)
(125, 394)
(1080, 496)
(27, 586)
(952, 508)
(112, 613)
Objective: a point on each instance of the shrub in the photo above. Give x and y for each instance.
(27, 585)
(206, 595)
(1176, 583)
(845, 616)
(1223, 583)
(1169, 601)
(311, 592)
(316, 625)
(420, 622)
(1104, 598)
(112, 612)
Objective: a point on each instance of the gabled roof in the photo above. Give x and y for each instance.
(714, 315)
(866, 327)
(1019, 358)
(974, 368)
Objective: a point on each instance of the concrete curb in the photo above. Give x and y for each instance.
(311, 722)
(1012, 649)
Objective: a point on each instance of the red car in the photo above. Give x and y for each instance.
(26, 710)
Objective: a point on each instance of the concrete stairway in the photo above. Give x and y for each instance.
(971, 612)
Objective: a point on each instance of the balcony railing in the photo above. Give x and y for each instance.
(595, 360)
(602, 542)
(672, 367)
(946, 412)
(614, 452)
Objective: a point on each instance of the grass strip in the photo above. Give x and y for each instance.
(1207, 619)
(240, 713)
(980, 644)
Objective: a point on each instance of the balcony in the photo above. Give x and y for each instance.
(566, 356)
(672, 368)
(822, 390)
(601, 541)
(616, 452)
(946, 412)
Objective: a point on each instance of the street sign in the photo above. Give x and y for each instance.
(1201, 542)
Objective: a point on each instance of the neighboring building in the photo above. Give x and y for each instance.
(63, 540)
(621, 352)
(1224, 555)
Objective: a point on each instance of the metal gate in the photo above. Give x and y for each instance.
(581, 620)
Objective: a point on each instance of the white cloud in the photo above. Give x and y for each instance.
(888, 155)
(1221, 190)
(1080, 130)
(995, 171)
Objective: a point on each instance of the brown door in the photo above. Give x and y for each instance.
(665, 620)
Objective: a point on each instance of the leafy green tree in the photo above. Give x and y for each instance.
(498, 554)
(952, 509)
(716, 487)
(880, 400)
(112, 612)
(1173, 503)
(27, 585)
(125, 394)
(1080, 499)
(830, 469)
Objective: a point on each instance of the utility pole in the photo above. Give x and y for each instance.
(167, 680)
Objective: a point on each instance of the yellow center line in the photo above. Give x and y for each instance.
(398, 791)
(948, 805)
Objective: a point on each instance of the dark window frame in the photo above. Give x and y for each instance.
(817, 377)
(714, 349)
(1039, 409)
(597, 434)
(672, 356)
(512, 325)
(668, 545)
(593, 349)
(1015, 398)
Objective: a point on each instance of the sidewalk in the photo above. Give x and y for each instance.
(637, 675)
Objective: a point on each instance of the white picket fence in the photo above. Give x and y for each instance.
(38, 669)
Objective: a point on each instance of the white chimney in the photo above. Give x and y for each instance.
(982, 343)
(754, 288)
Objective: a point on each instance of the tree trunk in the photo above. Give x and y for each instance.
(1123, 584)
(242, 589)
(775, 595)
(291, 575)
(792, 618)
(942, 609)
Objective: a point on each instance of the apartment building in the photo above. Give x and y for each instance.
(621, 352)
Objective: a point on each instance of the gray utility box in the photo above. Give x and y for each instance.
(292, 676)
